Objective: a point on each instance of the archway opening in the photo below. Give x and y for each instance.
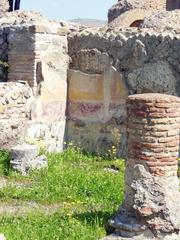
(136, 23)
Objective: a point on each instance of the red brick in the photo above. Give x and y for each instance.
(164, 120)
(161, 164)
(162, 115)
(152, 145)
(167, 159)
(167, 105)
(169, 140)
(172, 143)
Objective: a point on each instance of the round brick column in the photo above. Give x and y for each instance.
(153, 132)
(152, 197)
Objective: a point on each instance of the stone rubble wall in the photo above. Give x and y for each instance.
(4, 6)
(106, 67)
(14, 115)
(85, 104)
(37, 55)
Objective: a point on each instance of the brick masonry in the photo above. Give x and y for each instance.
(153, 132)
(151, 207)
(3, 54)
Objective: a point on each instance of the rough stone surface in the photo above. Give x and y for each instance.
(142, 61)
(37, 22)
(4, 6)
(146, 235)
(131, 18)
(163, 20)
(126, 5)
(42, 63)
(39, 163)
(151, 170)
(14, 101)
(85, 104)
(25, 157)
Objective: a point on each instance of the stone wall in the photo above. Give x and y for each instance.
(37, 56)
(108, 66)
(48, 111)
(4, 6)
(14, 101)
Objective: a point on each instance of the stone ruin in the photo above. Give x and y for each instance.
(131, 13)
(151, 206)
(61, 83)
(66, 83)
(4, 6)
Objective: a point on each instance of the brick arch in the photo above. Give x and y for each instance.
(131, 18)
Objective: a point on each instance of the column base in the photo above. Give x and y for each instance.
(146, 235)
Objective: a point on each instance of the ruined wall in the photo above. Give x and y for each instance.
(14, 115)
(4, 6)
(48, 111)
(125, 6)
(37, 55)
(105, 68)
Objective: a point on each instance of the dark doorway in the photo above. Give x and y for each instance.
(172, 5)
(136, 23)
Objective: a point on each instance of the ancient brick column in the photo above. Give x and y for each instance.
(151, 209)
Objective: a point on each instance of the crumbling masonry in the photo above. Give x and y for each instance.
(80, 80)
(151, 205)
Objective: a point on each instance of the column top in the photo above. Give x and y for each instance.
(153, 97)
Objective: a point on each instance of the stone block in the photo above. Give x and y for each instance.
(91, 61)
(153, 77)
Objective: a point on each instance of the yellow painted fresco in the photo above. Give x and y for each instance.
(118, 88)
(85, 86)
(48, 95)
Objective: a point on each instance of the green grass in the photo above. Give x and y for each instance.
(85, 193)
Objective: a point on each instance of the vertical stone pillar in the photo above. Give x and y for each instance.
(151, 209)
